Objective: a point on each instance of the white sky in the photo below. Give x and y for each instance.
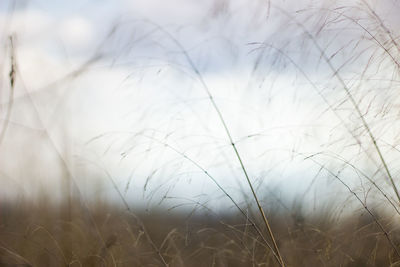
(143, 93)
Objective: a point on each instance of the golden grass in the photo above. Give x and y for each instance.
(43, 234)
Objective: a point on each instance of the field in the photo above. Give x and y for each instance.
(215, 134)
(44, 235)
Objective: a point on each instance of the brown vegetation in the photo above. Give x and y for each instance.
(41, 234)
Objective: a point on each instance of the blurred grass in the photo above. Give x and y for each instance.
(46, 233)
(42, 234)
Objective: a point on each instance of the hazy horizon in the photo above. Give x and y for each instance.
(104, 89)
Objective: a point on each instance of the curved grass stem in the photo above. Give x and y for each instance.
(229, 135)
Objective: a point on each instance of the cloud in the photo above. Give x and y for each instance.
(27, 23)
(149, 79)
(76, 32)
(174, 11)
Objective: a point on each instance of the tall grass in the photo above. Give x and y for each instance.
(344, 56)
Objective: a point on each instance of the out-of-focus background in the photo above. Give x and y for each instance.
(177, 108)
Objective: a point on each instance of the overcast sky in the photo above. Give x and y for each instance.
(111, 89)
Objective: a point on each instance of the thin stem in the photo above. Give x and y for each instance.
(228, 133)
(12, 77)
(386, 234)
(352, 101)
